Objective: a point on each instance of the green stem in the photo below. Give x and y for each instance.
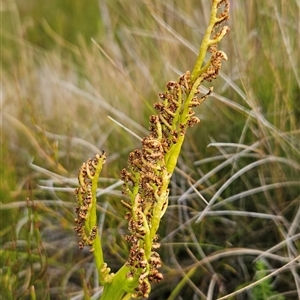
(172, 156)
(205, 42)
(120, 286)
(92, 221)
(98, 253)
(161, 201)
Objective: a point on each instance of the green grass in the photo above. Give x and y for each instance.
(59, 89)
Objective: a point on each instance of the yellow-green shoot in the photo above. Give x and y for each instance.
(147, 176)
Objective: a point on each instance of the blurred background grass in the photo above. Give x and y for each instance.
(58, 89)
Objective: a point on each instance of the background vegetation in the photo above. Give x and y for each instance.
(58, 89)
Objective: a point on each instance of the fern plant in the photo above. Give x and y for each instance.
(265, 289)
(147, 176)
